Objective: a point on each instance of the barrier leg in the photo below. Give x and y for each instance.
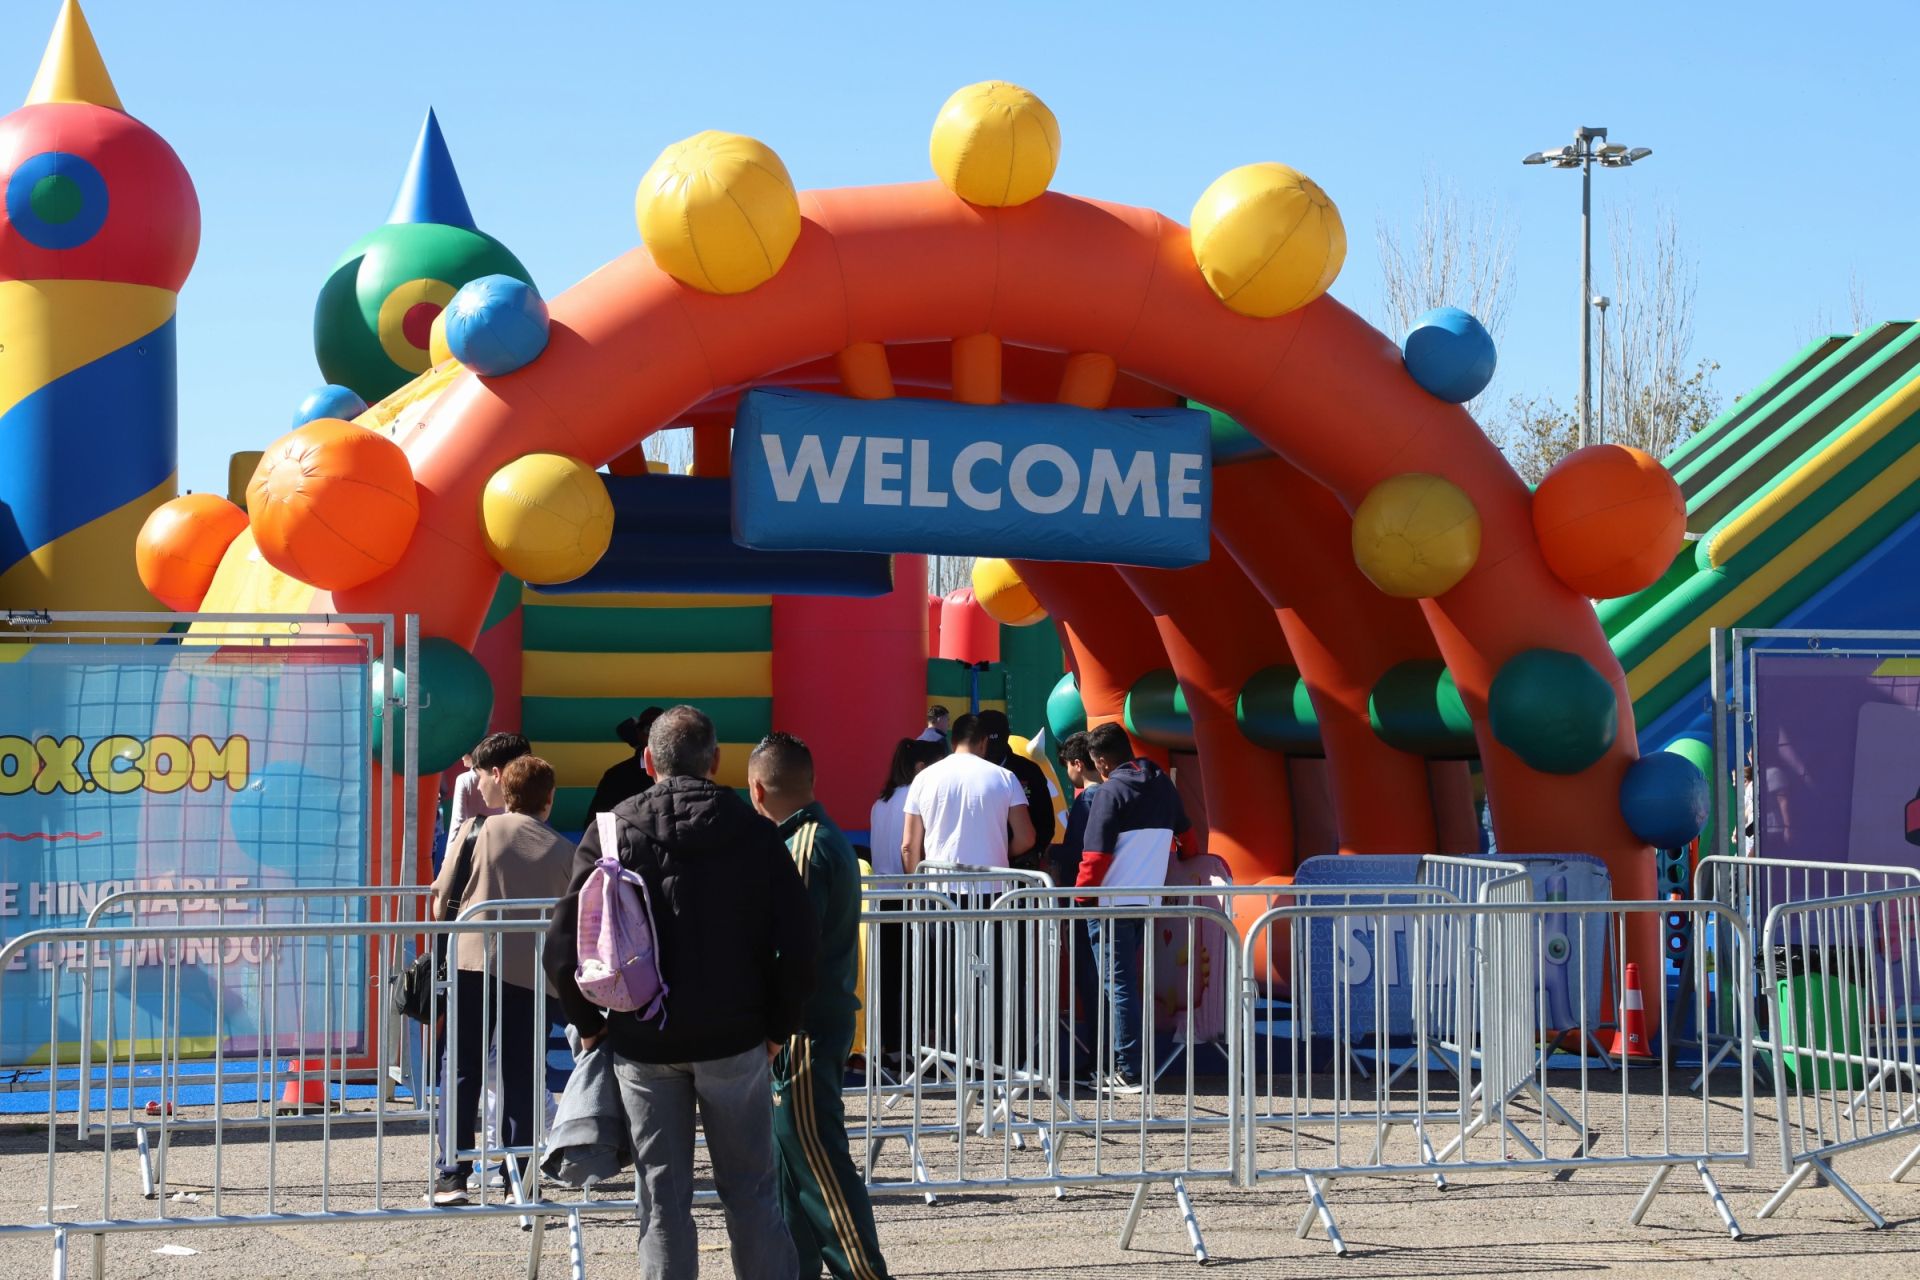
(1787, 1188)
(536, 1242)
(1901, 1170)
(60, 1254)
(147, 1190)
(920, 1168)
(1426, 1151)
(576, 1248)
(1841, 1185)
(1187, 1216)
(1319, 1209)
(1720, 1205)
(1646, 1197)
(1133, 1215)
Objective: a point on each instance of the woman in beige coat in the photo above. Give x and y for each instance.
(515, 855)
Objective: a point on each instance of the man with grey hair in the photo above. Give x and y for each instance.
(736, 938)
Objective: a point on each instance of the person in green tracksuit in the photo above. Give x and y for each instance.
(825, 1200)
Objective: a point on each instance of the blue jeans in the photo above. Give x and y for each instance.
(1117, 949)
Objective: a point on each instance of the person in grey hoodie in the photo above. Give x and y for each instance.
(737, 940)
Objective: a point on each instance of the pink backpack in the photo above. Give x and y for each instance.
(618, 967)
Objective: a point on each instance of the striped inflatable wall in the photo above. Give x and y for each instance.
(590, 661)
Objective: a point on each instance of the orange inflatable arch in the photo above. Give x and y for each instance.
(1084, 302)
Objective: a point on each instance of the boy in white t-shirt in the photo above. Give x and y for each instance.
(965, 809)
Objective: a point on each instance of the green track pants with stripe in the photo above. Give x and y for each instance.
(821, 1191)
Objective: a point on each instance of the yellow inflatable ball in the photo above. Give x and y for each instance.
(438, 353)
(718, 212)
(995, 144)
(1267, 238)
(1416, 536)
(1007, 599)
(546, 518)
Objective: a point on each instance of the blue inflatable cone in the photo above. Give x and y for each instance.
(430, 191)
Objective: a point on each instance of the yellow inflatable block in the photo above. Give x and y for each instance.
(1267, 239)
(546, 517)
(718, 212)
(995, 144)
(660, 677)
(1007, 600)
(1416, 535)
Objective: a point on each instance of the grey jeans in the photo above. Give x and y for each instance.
(736, 1111)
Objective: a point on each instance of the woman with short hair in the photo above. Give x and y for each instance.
(515, 855)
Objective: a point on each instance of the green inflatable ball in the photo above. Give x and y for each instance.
(456, 701)
(1065, 712)
(1553, 710)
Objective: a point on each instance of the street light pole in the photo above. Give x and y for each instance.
(1586, 279)
(1590, 146)
(1602, 302)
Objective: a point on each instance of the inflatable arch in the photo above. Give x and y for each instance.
(932, 288)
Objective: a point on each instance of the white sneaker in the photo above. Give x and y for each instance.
(1119, 1084)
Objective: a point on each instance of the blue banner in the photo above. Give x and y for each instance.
(1039, 482)
(199, 769)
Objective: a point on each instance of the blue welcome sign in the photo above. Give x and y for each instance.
(1037, 482)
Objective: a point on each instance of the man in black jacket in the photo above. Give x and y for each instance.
(737, 941)
(1033, 780)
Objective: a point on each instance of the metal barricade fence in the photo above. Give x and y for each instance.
(1476, 966)
(378, 1164)
(1752, 887)
(1844, 994)
(265, 1078)
(984, 1099)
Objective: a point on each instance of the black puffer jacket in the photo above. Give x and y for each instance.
(736, 934)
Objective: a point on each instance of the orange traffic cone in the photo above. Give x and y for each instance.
(1630, 1036)
(311, 1091)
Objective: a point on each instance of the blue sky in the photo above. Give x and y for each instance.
(1778, 133)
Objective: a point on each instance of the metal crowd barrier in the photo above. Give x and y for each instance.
(1844, 997)
(986, 1098)
(189, 1163)
(1472, 997)
(265, 1077)
(1000, 1072)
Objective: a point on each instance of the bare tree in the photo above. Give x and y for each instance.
(1657, 393)
(1859, 318)
(1456, 254)
(673, 446)
(949, 573)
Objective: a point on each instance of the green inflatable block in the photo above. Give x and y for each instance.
(1553, 710)
(456, 701)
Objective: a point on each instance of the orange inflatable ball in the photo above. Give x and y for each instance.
(333, 504)
(180, 546)
(1610, 519)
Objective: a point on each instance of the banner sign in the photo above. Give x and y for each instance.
(1838, 757)
(1039, 482)
(200, 769)
(1372, 950)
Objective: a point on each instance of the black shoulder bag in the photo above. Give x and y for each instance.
(411, 989)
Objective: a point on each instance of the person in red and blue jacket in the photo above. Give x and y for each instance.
(1134, 818)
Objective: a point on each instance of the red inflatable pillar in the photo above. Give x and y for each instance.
(1218, 631)
(1293, 539)
(850, 677)
(1109, 635)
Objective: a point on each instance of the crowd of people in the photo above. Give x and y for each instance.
(755, 907)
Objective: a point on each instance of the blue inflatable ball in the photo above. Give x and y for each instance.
(1664, 800)
(330, 401)
(456, 702)
(1450, 354)
(496, 324)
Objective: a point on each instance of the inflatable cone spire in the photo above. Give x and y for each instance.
(72, 70)
(1630, 1037)
(430, 191)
